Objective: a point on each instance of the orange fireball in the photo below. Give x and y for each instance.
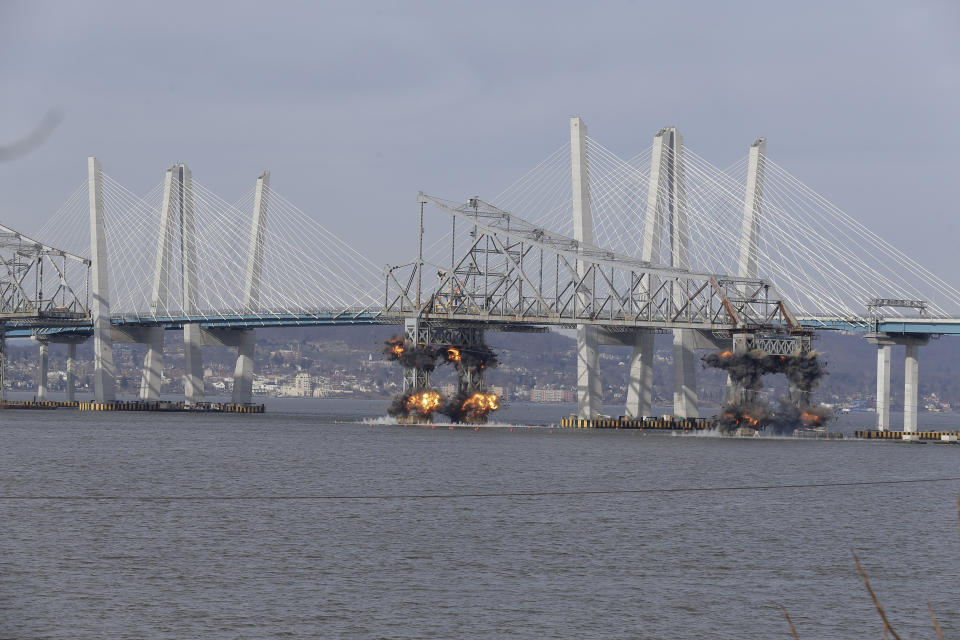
(424, 403)
(481, 403)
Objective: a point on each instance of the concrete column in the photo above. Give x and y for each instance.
(192, 364)
(589, 387)
(752, 205)
(103, 370)
(685, 400)
(43, 371)
(676, 181)
(883, 386)
(71, 371)
(684, 372)
(258, 231)
(910, 386)
(169, 211)
(656, 197)
(152, 378)
(192, 337)
(640, 384)
(589, 396)
(243, 372)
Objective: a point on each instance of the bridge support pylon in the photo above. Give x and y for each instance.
(71, 391)
(666, 213)
(43, 370)
(150, 381)
(246, 346)
(589, 385)
(911, 380)
(883, 386)
(243, 371)
(104, 381)
(640, 382)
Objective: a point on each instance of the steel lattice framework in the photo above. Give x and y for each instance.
(514, 271)
(40, 285)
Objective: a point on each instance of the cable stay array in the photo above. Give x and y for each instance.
(197, 264)
(823, 263)
(826, 264)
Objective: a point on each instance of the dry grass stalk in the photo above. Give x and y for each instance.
(936, 625)
(876, 603)
(793, 629)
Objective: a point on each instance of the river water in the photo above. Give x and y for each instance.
(314, 520)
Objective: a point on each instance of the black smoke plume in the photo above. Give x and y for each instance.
(803, 372)
(411, 357)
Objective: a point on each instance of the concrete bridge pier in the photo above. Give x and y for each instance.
(243, 371)
(104, 374)
(43, 370)
(911, 381)
(640, 382)
(71, 390)
(192, 364)
(589, 385)
(685, 400)
(883, 386)
(247, 340)
(152, 377)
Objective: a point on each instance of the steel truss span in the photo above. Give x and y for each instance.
(513, 271)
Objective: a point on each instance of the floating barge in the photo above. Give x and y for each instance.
(169, 406)
(668, 423)
(915, 436)
(135, 405)
(662, 424)
(38, 404)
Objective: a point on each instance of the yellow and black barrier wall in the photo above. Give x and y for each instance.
(666, 424)
(211, 407)
(898, 435)
(40, 404)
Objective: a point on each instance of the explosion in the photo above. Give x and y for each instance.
(424, 403)
(803, 372)
(470, 362)
(752, 415)
(418, 405)
(481, 403)
(394, 347)
(471, 407)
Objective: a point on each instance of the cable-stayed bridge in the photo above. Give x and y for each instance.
(618, 248)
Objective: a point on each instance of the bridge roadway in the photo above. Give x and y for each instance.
(900, 326)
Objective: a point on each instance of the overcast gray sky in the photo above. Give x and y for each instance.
(356, 106)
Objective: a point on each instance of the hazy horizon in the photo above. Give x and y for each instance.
(355, 108)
